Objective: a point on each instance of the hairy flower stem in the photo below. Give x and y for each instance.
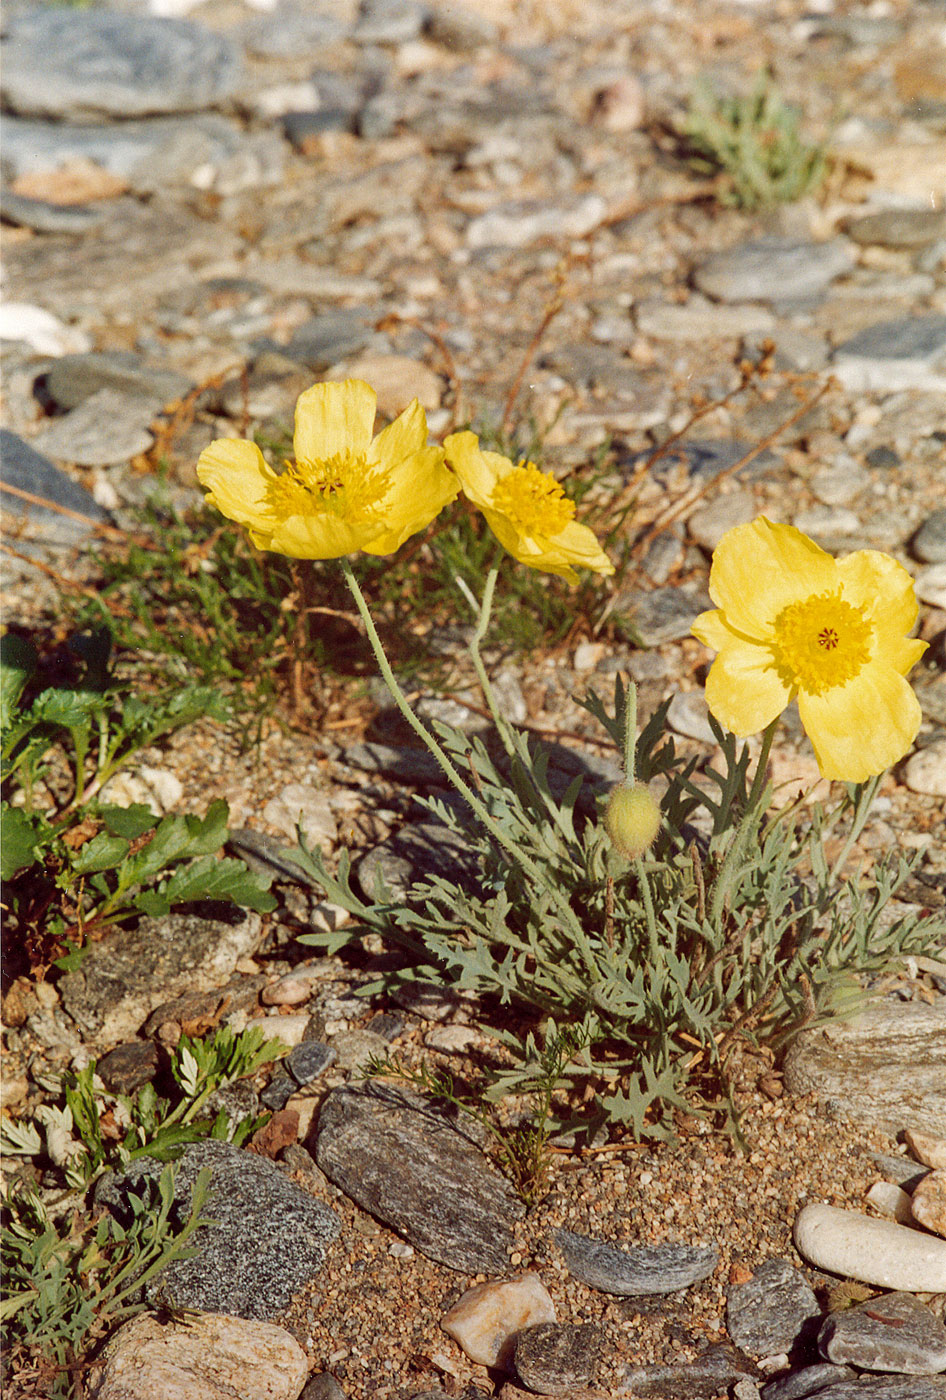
(526, 863)
(748, 824)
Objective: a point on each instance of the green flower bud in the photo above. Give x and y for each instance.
(632, 819)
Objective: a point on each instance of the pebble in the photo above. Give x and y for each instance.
(76, 64)
(72, 379)
(873, 1251)
(38, 328)
(688, 715)
(486, 1320)
(929, 542)
(42, 216)
(555, 1360)
(645, 1270)
(890, 1200)
(925, 771)
(906, 353)
(928, 1202)
(517, 225)
(929, 585)
(892, 1333)
(773, 269)
(707, 525)
(700, 319)
(268, 1237)
(898, 228)
(407, 1163)
(300, 807)
(152, 1358)
(811, 1380)
(661, 615)
(929, 1150)
(39, 527)
(106, 428)
(308, 1060)
(711, 1374)
(128, 1066)
(772, 1311)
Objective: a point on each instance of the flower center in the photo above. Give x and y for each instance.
(821, 642)
(534, 501)
(342, 485)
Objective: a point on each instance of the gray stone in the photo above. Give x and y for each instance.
(149, 154)
(415, 766)
(893, 1333)
(278, 1092)
(238, 1100)
(403, 1160)
(769, 269)
(33, 527)
(321, 341)
(107, 428)
(637, 1272)
(929, 542)
(886, 1066)
(267, 1240)
(898, 228)
(661, 615)
(128, 1066)
(553, 1360)
(713, 1372)
(708, 525)
(415, 852)
(886, 1388)
(700, 319)
(522, 222)
(292, 31)
(389, 22)
(704, 459)
(462, 29)
(128, 972)
(906, 353)
(72, 379)
(772, 1311)
(811, 1381)
(43, 217)
(69, 63)
(324, 1386)
(306, 1062)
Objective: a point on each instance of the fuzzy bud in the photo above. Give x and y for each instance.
(631, 819)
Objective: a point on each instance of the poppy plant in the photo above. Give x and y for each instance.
(793, 622)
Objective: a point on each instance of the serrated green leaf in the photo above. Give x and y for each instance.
(103, 852)
(17, 664)
(129, 822)
(22, 834)
(209, 878)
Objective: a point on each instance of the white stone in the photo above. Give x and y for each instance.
(926, 1148)
(688, 715)
(40, 330)
(930, 585)
(156, 788)
(926, 771)
(880, 1252)
(587, 655)
(484, 1322)
(301, 805)
(207, 1356)
(288, 1029)
(890, 1200)
(452, 1040)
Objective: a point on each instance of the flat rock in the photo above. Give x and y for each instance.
(518, 224)
(898, 228)
(556, 1360)
(700, 319)
(661, 615)
(105, 429)
(892, 1333)
(874, 1251)
(929, 542)
(412, 854)
(812, 1380)
(128, 972)
(885, 1067)
(402, 1158)
(33, 527)
(906, 353)
(72, 379)
(769, 1313)
(267, 1240)
(772, 269)
(42, 216)
(711, 1374)
(648, 1269)
(485, 1321)
(928, 1203)
(151, 1358)
(76, 64)
(885, 1388)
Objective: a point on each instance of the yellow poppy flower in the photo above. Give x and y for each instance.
(526, 509)
(345, 490)
(793, 621)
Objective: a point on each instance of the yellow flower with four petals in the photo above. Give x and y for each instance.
(345, 490)
(792, 621)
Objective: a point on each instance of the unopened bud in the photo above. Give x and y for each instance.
(631, 819)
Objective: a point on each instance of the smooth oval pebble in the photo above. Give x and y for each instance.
(873, 1251)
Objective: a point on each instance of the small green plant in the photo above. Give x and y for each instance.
(72, 864)
(70, 1280)
(72, 1274)
(523, 1149)
(664, 964)
(753, 143)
